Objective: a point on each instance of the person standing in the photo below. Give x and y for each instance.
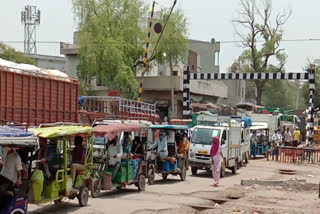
(276, 141)
(216, 159)
(296, 137)
(287, 137)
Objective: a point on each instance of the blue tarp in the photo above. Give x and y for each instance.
(247, 121)
(9, 131)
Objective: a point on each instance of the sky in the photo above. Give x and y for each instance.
(207, 19)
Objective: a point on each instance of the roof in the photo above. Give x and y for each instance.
(30, 141)
(259, 126)
(17, 137)
(210, 127)
(110, 131)
(10, 131)
(175, 127)
(59, 131)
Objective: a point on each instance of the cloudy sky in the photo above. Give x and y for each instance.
(207, 19)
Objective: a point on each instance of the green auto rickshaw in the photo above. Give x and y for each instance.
(60, 184)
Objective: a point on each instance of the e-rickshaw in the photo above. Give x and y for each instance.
(173, 164)
(24, 144)
(131, 171)
(261, 144)
(61, 185)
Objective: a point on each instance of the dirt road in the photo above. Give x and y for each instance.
(197, 196)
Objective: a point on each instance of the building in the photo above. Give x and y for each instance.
(202, 57)
(51, 62)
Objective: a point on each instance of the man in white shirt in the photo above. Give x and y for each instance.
(12, 166)
(162, 146)
(276, 141)
(287, 137)
(114, 155)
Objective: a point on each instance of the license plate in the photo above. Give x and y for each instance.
(203, 152)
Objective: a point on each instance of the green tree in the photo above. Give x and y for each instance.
(8, 53)
(110, 41)
(258, 25)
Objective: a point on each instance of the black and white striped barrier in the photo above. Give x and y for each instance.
(309, 75)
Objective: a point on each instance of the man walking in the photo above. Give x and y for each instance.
(296, 137)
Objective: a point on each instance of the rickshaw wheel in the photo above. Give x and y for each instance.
(164, 176)
(96, 188)
(83, 196)
(151, 175)
(141, 183)
(183, 174)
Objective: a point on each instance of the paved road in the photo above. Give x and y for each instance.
(172, 194)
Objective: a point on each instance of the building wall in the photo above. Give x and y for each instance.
(206, 51)
(72, 63)
(50, 62)
(236, 91)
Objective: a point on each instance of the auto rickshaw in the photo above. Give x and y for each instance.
(132, 171)
(173, 164)
(60, 137)
(24, 143)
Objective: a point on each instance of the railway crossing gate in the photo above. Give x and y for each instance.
(309, 75)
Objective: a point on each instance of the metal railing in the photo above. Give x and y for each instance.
(295, 155)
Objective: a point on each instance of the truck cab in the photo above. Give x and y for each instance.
(229, 134)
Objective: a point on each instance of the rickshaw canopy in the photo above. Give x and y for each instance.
(9, 131)
(170, 127)
(17, 137)
(60, 131)
(110, 131)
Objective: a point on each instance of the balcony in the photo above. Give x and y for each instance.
(161, 83)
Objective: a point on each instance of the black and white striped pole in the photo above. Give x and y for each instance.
(186, 93)
(310, 76)
(312, 87)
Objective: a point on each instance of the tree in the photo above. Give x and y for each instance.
(110, 41)
(8, 53)
(258, 23)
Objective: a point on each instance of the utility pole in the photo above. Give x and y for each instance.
(30, 17)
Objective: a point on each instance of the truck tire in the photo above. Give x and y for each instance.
(194, 170)
(234, 169)
(240, 163)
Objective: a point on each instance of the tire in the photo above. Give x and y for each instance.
(223, 170)
(183, 174)
(83, 196)
(240, 163)
(151, 176)
(141, 183)
(194, 170)
(164, 176)
(234, 169)
(96, 188)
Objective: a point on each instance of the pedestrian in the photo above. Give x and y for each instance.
(296, 137)
(287, 137)
(216, 159)
(276, 141)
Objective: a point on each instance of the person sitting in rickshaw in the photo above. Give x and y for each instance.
(183, 146)
(114, 155)
(44, 155)
(126, 146)
(78, 157)
(162, 146)
(137, 148)
(11, 170)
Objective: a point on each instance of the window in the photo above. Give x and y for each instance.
(224, 137)
(204, 136)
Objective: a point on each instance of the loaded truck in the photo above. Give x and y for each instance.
(33, 96)
(228, 130)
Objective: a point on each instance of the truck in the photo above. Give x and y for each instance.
(34, 96)
(228, 130)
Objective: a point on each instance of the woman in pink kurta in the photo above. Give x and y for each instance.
(216, 159)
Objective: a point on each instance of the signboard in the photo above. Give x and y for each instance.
(114, 93)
